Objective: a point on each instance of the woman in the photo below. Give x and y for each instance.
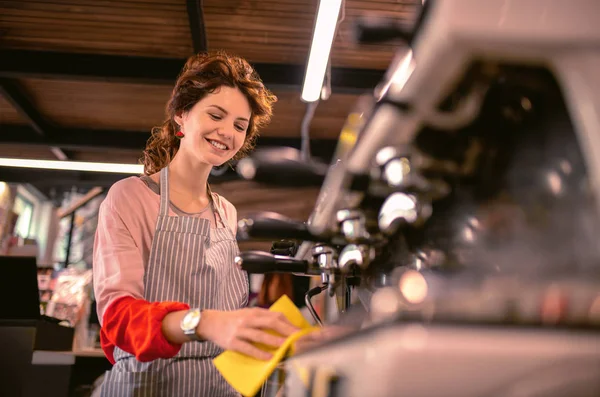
(168, 293)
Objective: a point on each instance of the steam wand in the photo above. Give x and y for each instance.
(313, 292)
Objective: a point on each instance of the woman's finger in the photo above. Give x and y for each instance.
(273, 321)
(250, 350)
(258, 336)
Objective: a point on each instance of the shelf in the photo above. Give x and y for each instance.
(88, 353)
(44, 357)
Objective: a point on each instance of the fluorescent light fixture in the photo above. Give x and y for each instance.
(403, 67)
(73, 165)
(320, 48)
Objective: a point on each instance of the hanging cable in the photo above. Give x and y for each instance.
(305, 130)
(311, 107)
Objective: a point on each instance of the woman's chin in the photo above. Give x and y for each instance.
(213, 159)
(217, 161)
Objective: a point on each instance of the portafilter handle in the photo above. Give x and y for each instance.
(260, 262)
(273, 226)
(282, 166)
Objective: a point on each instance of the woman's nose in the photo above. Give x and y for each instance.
(225, 133)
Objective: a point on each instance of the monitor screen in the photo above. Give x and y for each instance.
(19, 293)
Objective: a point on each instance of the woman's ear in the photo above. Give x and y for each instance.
(179, 119)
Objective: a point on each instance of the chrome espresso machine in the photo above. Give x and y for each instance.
(458, 226)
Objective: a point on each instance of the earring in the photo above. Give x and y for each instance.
(179, 134)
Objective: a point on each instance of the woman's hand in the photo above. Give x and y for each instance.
(237, 330)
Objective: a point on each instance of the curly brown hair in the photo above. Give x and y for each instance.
(202, 74)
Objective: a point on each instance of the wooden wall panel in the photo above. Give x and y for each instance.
(150, 28)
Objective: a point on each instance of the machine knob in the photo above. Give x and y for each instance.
(324, 256)
(354, 255)
(353, 224)
(397, 171)
(402, 209)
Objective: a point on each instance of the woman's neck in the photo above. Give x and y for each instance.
(187, 178)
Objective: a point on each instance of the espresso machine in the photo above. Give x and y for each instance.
(458, 223)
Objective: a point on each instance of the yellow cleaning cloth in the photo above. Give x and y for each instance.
(246, 374)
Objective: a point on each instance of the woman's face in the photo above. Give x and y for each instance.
(215, 128)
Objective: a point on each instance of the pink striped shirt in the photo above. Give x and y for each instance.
(126, 225)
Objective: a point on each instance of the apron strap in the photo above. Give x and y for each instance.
(164, 198)
(220, 213)
(164, 191)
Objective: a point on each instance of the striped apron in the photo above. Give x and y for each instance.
(191, 263)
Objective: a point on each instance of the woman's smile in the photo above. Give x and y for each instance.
(220, 146)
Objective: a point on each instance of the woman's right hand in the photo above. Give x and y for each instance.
(238, 330)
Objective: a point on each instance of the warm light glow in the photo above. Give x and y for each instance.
(318, 59)
(554, 305)
(73, 166)
(384, 304)
(413, 287)
(246, 168)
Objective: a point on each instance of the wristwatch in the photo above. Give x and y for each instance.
(190, 322)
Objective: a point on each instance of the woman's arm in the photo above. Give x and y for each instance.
(237, 330)
(152, 330)
(135, 326)
(128, 321)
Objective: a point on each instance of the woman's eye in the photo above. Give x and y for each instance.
(215, 117)
(240, 127)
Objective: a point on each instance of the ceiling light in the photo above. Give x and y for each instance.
(73, 165)
(322, 40)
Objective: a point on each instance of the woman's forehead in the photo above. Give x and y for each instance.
(230, 99)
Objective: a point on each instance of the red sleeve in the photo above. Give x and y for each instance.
(135, 326)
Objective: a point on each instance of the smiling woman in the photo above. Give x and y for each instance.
(169, 296)
(215, 128)
(202, 77)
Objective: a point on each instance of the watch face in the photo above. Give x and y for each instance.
(190, 320)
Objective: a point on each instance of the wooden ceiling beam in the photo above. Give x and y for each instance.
(44, 179)
(102, 140)
(76, 66)
(18, 98)
(197, 28)
(75, 138)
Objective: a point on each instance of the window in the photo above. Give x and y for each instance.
(24, 209)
